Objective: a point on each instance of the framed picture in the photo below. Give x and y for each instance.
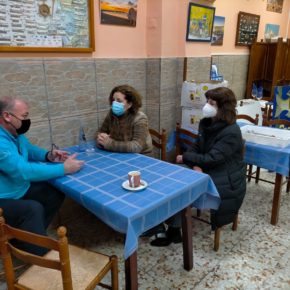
(199, 22)
(63, 26)
(118, 12)
(271, 31)
(247, 28)
(275, 5)
(218, 30)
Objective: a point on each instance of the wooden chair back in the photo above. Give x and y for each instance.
(279, 123)
(59, 260)
(184, 139)
(249, 118)
(267, 113)
(159, 141)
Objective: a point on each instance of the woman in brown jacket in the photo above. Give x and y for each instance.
(125, 128)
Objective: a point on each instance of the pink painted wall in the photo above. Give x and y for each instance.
(154, 28)
(230, 10)
(114, 41)
(161, 30)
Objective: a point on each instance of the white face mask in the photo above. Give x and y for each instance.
(209, 111)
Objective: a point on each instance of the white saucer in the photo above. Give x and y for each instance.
(126, 186)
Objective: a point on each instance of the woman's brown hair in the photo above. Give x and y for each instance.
(226, 102)
(131, 95)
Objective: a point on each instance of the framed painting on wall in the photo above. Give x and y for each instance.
(247, 28)
(271, 31)
(53, 25)
(118, 12)
(199, 22)
(218, 30)
(275, 5)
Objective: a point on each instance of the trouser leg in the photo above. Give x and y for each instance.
(47, 195)
(26, 215)
(33, 212)
(174, 221)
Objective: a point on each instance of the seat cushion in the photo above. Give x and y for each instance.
(85, 266)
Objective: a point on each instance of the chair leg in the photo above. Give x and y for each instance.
(257, 175)
(250, 172)
(198, 212)
(235, 223)
(114, 273)
(217, 239)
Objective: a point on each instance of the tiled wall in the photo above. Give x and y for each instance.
(65, 92)
(234, 68)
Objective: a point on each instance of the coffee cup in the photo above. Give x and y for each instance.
(134, 178)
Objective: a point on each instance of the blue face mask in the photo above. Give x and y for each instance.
(118, 108)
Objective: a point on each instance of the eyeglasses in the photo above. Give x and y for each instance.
(16, 116)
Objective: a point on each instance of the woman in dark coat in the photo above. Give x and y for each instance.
(219, 153)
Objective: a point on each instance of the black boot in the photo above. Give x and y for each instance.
(172, 235)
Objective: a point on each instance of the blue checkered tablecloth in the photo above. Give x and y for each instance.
(171, 188)
(272, 158)
(269, 157)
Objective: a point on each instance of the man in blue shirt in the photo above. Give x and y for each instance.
(28, 201)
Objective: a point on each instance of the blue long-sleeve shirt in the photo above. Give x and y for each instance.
(22, 163)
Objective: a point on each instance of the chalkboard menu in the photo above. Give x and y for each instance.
(247, 28)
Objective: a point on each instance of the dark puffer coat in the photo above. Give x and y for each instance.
(219, 152)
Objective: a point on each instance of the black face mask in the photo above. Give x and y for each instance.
(25, 125)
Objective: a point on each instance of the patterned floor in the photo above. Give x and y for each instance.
(256, 256)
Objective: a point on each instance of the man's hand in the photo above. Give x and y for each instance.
(72, 165)
(57, 155)
(102, 138)
(197, 168)
(179, 159)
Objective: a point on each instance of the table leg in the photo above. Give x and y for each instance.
(131, 275)
(187, 238)
(276, 199)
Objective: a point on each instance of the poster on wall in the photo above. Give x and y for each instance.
(218, 30)
(271, 31)
(199, 22)
(275, 5)
(118, 12)
(51, 25)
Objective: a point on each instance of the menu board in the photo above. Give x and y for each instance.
(46, 25)
(247, 28)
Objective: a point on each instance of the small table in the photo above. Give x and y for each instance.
(171, 189)
(274, 159)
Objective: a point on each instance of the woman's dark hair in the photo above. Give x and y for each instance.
(131, 95)
(226, 102)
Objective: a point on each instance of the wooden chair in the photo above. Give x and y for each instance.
(76, 268)
(249, 118)
(279, 123)
(254, 122)
(159, 140)
(184, 139)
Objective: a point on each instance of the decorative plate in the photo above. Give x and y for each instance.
(44, 10)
